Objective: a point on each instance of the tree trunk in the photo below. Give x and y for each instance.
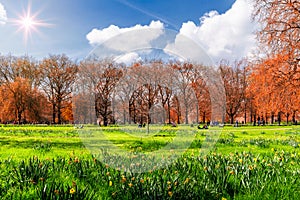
(186, 115)
(169, 112)
(59, 121)
(53, 112)
(254, 119)
(231, 119)
(279, 118)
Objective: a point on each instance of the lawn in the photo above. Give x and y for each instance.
(64, 162)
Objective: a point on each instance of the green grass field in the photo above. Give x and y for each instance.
(63, 162)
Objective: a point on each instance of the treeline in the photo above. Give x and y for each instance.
(59, 90)
(265, 90)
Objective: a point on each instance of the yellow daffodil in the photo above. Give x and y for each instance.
(72, 191)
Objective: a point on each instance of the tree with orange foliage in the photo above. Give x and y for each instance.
(21, 100)
(58, 76)
(280, 21)
(235, 87)
(280, 40)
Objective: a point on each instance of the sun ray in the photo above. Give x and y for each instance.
(28, 23)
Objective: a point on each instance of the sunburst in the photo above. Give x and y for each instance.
(28, 23)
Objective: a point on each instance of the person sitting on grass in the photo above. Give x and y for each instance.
(204, 127)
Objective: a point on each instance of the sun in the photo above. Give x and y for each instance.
(28, 23)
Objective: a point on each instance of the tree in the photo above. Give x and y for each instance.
(235, 87)
(21, 99)
(101, 78)
(58, 77)
(184, 78)
(280, 33)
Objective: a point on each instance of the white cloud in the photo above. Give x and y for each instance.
(3, 16)
(128, 58)
(224, 36)
(217, 36)
(187, 49)
(126, 39)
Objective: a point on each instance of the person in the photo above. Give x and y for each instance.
(204, 126)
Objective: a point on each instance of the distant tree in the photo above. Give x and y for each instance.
(235, 87)
(101, 77)
(185, 77)
(58, 76)
(21, 99)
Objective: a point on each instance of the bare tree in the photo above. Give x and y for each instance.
(235, 87)
(58, 77)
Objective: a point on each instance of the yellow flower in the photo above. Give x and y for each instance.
(292, 163)
(205, 168)
(76, 160)
(186, 181)
(169, 182)
(293, 155)
(170, 193)
(231, 172)
(110, 183)
(72, 191)
(123, 179)
(255, 159)
(250, 167)
(130, 184)
(142, 180)
(241, 160)
(269, 164)
(272, 149)
(223, 198)
(133, 178)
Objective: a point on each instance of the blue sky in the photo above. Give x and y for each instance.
(70, 21)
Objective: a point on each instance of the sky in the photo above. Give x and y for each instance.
(221, 28)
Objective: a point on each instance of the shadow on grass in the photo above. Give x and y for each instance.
(32, 143)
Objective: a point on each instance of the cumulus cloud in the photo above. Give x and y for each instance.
(3, 16)
(187, 49)
(217, 36)
(125, 39)
(128, 58)
(224, 36)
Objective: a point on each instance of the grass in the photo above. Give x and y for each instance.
(53, 162)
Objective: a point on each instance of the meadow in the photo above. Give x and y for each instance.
(53, 162)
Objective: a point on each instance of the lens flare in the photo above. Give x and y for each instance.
(28, 23)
